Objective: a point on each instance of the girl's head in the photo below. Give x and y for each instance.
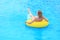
(39, 14)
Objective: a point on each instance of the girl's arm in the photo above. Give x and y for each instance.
(45, 19)
(31, 21)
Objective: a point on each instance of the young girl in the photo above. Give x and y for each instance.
(38, 18)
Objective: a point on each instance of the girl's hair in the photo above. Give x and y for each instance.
(39, 14)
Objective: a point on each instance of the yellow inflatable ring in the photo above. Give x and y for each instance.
(41, 24)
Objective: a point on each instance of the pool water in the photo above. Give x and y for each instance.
(13, 14)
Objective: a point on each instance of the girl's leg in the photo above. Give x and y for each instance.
(29, 12)
(31, 15)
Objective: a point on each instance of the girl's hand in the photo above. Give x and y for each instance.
(28, 22)
(47, 20)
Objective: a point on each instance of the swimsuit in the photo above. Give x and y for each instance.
(38, 19)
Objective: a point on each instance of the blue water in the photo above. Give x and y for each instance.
(13, 14)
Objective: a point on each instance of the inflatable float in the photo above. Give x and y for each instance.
(35, 24)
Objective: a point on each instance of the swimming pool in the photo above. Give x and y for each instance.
(13, 14)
